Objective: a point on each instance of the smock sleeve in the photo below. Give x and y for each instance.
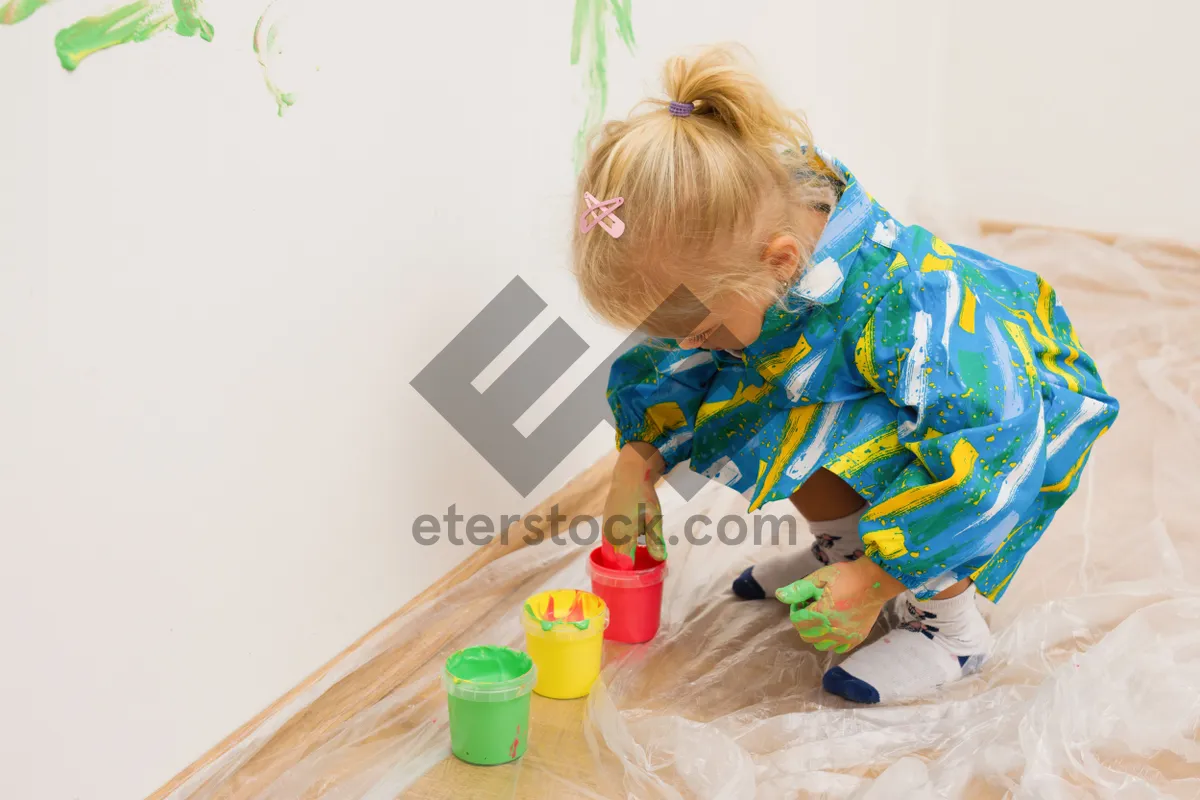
(960, 369)
(655, 390)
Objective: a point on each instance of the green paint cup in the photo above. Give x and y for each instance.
(488, 689)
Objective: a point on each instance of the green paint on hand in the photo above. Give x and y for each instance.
(875, 585)
(821, 628)
(135, 22)
(801, 592)
(14, 11)
(592, 14)
(798, 596)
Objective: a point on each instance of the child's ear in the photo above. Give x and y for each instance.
(782, 256)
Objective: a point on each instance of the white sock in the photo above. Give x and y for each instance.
(833, 541)
(936, 643)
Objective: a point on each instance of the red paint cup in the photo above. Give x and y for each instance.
(633, 596)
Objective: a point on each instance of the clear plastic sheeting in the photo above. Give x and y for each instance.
(1092, 688)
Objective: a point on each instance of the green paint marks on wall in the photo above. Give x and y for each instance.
(291, 39)
(14, 11)
(589, 40)
(266, 49)
(135, 22)
(188, 21)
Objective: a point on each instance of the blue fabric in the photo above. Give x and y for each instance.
(947, 387)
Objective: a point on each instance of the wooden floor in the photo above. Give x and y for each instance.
(583, 496)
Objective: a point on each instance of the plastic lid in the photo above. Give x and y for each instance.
(646, 571)
(489, 674)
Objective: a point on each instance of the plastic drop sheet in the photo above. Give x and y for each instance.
(1092, 689)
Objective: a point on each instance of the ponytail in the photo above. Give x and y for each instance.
(705, 175)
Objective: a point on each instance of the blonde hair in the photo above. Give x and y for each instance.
(703, 193)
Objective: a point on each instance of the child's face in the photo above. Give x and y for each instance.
(735, 321)
(733, 324)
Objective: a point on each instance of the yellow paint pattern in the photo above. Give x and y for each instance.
(795, 430)
(1070, 362)
(899, 262)
(1045, 304)
(864, 355)
(661, 418)
(962, 459)
(1070, 476)
(1043, 334)
(888, 543)
(995, 592)
(883, 445)
(966, 317)
(1018, 337)
(915, 447)
(1045, 307)
(994, 562)
(744, 394)
(1050, 350)
(780, 364)
(932, 263)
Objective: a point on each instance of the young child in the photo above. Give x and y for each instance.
(923, 405)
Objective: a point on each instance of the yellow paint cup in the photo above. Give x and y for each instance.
(564, 635)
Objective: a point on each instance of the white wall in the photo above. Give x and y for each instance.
(1083, 115)
(210, 456)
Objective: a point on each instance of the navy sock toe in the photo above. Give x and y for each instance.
(745, 587)
(843, 684)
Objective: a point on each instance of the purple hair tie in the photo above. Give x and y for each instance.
(681, 109)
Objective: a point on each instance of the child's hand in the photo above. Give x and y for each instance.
(632, 507)
(836, 606)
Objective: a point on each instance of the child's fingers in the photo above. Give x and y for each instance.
(654, 537)
(623, 538)
(814, 632)
(799, 593)
(656, 546)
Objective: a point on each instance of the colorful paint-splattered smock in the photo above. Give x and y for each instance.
(948, 388)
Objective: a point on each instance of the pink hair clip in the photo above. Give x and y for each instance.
(602, 214)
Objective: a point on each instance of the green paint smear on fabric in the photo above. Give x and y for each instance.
(266, 49)
(488, 664)
(589, 29)
(14, 11)
(135, 22)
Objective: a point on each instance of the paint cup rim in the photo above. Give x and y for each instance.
(489, 691)
(624, 578)
(566, 630)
